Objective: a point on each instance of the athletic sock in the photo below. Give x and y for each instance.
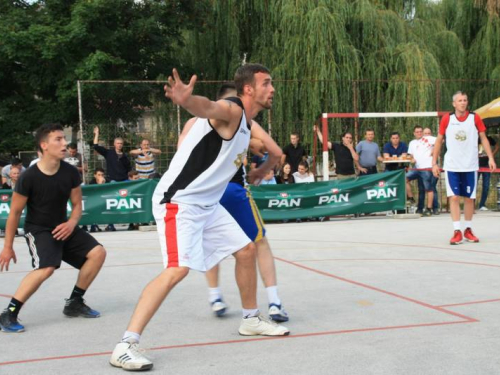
(214, 294)
(131, 337)
(14, 307)
(272, 295)
(456, 225)
(77, 293)
(250, 313)
(468, 224)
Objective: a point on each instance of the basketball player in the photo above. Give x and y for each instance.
(195, 231)
(45, 189)
(461, 130)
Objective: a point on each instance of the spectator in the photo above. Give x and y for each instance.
(134, 175)
(303, 174)
(369, 154)
(285, 176)
(395, 148)
(74, 158)
(14, 174)
(6, 170)
(269, 178)
(34, 161)
(421, 149)
(483, 163)
(345, 155)
(117, 162)
(145, 159)
(99, 178)
(294, 153)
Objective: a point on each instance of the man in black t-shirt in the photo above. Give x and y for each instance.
(344, 153)
(483, 163)
(45, 189)
(117, 162)
(294, 153)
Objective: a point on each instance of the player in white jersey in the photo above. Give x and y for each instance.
(195, 231)
(461, 130)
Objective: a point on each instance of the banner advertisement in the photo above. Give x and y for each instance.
(373, 193)
(130, 202)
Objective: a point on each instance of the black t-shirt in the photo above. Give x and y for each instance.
(294, 155)
(483, 158)
(47, 195)
(343, 159)
(117, 166)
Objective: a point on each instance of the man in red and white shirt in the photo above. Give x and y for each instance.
(461, 129)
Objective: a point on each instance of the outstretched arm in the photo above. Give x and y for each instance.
(320, 136)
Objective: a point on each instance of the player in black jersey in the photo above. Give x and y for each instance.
(45, 189)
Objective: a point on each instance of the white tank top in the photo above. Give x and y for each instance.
(461, 142)
(204, 164)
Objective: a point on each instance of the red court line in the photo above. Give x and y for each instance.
(366, 286)
(214, 343)
(471, 303)
(391, 244)
(5, 295)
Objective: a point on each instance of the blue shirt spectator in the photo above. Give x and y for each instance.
(395, 147)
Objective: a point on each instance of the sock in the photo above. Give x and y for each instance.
(131, 337)
(250, 313)
(456, 225)
(77, 293)
(468, 224)
(272, 295)
(214, 294)
(14, 307)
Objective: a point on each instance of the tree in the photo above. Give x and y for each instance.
(46, 46)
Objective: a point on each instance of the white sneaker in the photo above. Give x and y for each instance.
(259, 325)
(219, 307)
(128, 357)
(483, 208)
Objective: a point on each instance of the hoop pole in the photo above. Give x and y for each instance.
(324, 131)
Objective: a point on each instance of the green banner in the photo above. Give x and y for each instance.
(373, 193)
(130, 202)
(113, 203)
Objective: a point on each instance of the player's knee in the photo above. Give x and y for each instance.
(249, 252)
(97, 254)
(177, 273)
(46, 272)
(455, 198)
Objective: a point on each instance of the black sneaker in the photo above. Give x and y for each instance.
(426, 212)
(435, 211)
(76, 307)
(411, 201)
(9, 323)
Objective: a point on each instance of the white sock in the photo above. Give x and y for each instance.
(131, 337)
(272, 295)
(214, 294)
(249, 313)
(468, 224)
(456, 225)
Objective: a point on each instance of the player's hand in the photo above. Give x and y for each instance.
(256, 175)
(257, 147)
(63, 231)
(492, 164)
(96, 130)
(436, 171)
(176, 90)
(315, 128)
(6, 256)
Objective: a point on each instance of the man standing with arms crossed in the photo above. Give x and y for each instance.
(461, 130)
(195, 231)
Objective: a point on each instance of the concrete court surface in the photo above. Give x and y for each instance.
(373, 295)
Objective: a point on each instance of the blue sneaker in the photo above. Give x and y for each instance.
(219, 307)
(76, 307)
(277, 313)
(9, 323)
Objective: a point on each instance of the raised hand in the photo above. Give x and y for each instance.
(178, 91)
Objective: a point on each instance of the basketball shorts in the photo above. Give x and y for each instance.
(46, 251)
(238, 201)
(196, 237)
(461, 183)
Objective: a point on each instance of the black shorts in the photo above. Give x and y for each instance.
(46, 251)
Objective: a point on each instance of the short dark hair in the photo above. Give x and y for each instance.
(417, 127)
(345, 133)
(296, 134)
(72, 146)
(132, 173)
(43, 132)
(395, 133)
(225, 88)
(246, 75)
(305, 164)
(98, 169)
(369, 130)
(15, 161)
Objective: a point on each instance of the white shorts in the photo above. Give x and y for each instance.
(197, 237)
